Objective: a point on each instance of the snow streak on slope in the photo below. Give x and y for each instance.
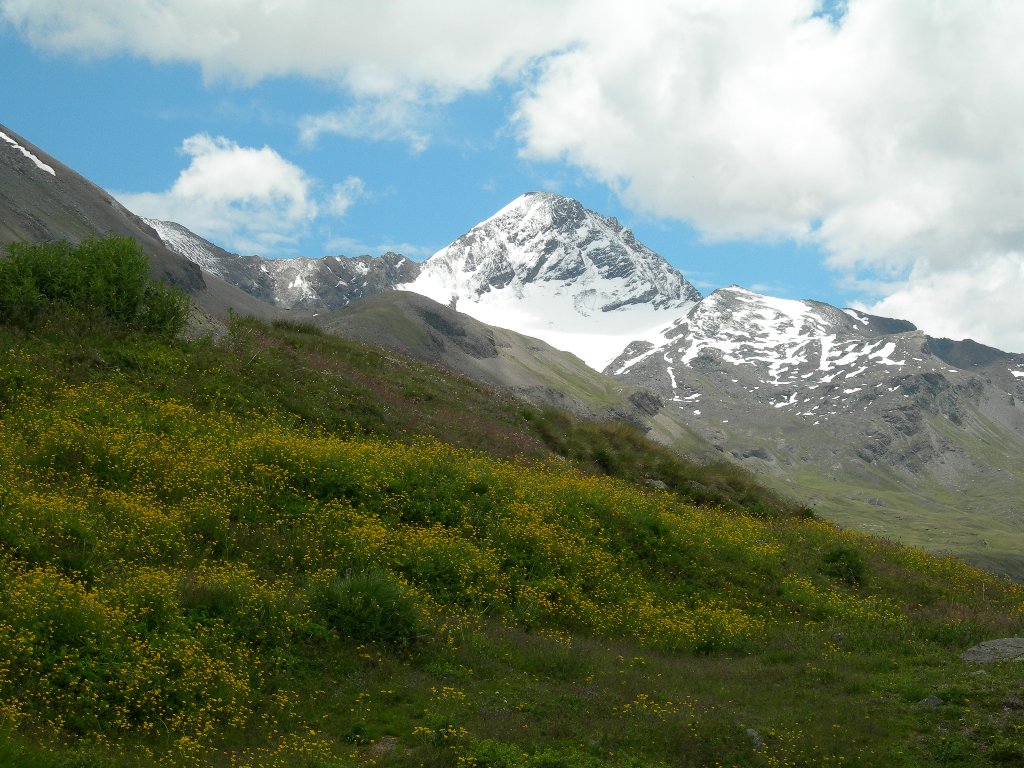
(184, 242)
(783, 335)
(547, 267)
(39, 163)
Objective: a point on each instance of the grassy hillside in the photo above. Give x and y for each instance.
(261, 551)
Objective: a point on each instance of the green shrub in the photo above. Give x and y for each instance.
(369, 606)
(254, 610)
(164, 309)
(98, 280)
(844, 564)
(488, 753)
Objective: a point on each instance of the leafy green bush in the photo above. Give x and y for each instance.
(95, 281)
(844, 564)
(489, 753)
(369, 606)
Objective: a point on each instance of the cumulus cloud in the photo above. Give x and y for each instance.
(886, 137)
(763, 119)
(250, 200)
(981, 301)
(381, 47)
(397, 58)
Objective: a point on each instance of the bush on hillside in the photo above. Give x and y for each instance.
(369, 606)
(844, 564)
(96, 281)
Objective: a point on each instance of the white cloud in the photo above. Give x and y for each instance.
(372, 48)
(396, 57)
(760, 119)
(247, 199)
(344, 195)
(376, 120)
(981, 301)
(889, 139)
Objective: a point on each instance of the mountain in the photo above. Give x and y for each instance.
(297, 283)
(826, 367)
(543, 266)
(546, 266)
(356, 298)
(875, 424)
(878, 425)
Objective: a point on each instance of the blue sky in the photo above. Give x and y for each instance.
(859, 153)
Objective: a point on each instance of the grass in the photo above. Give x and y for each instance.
(262, 552)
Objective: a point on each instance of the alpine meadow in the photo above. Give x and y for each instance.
(280, 547)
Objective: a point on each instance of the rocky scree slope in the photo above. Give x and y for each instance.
(531, 369)
(42, 199)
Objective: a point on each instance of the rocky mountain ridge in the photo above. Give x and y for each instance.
(825, 367)
(543, 238)
(543, 265)
(330, 282)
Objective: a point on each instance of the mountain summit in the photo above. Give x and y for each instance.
(550, 268)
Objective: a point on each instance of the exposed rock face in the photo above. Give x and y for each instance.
(739, 358)
(545, 238)
(299, 283)
(646, 402)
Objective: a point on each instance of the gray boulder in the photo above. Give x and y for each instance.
(991, 651)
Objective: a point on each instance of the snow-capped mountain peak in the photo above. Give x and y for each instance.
(789, 342)
(546, 266)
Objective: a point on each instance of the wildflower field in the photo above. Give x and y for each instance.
(259, 552)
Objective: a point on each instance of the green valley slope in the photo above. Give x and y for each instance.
(271, 550)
